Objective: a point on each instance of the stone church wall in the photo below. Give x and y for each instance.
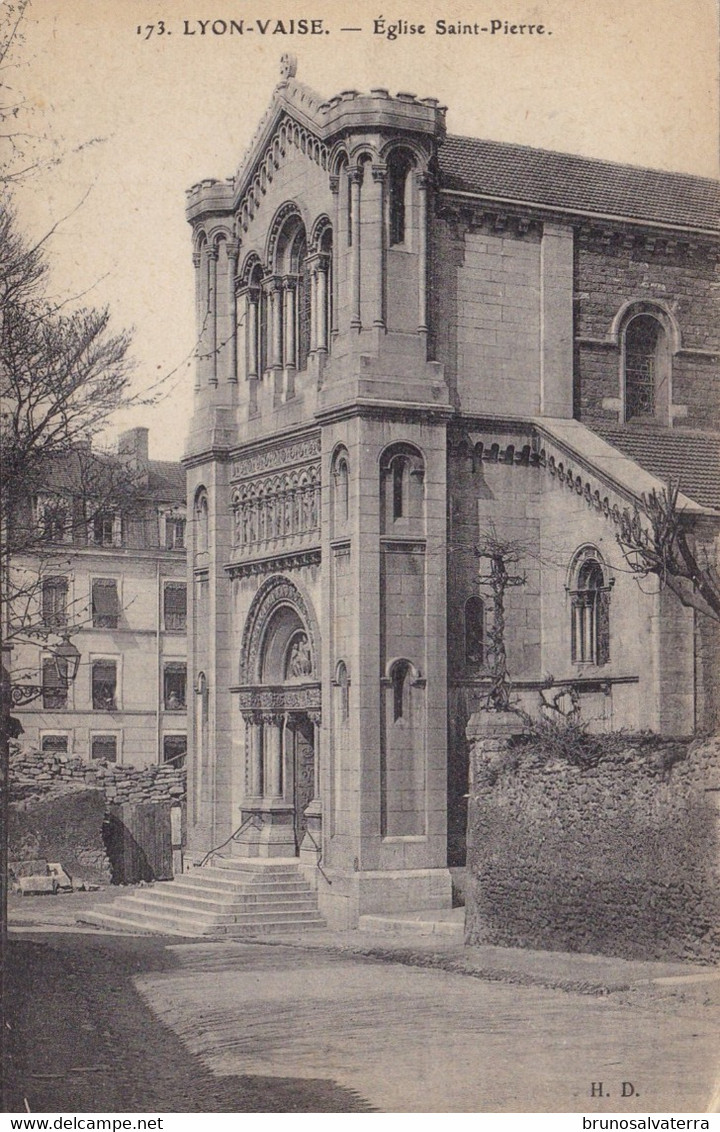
(613, 271)
(621, 858)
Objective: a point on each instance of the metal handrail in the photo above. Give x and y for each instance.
(252, 819)
(319, 849)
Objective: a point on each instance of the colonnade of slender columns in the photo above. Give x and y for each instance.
(265, 748)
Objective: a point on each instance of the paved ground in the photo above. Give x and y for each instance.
(345, 1023)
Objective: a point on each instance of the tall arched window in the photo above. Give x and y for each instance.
(474, 632)
(403, 490)
(342, 682)
(340, 490)
(400, 164)
(401, 676)
(590, 610)
(644, 338)
(201, 520)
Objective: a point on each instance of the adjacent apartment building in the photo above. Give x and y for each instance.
(116, 584)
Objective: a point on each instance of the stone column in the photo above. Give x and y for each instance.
(354, 182)
(335, 190)
(212, 254)
(275, 295)
(322, 303)
(254, 754)
(253, 334)
(199, 311)
(379, 173)
(422, 181)
(290, 344)
(232, 250)
(272, 744)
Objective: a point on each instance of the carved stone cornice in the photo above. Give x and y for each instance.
(290, 453)
(278, 698)
(292, 560)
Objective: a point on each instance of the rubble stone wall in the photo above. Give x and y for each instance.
(35, 774)
(65, 827)
(622, 858)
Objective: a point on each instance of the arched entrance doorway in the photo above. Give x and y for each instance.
(279, 698)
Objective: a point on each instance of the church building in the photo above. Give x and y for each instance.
(410, 341)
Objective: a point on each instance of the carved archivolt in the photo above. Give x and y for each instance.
(275, 592)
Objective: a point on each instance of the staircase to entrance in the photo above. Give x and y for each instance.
(232, 897)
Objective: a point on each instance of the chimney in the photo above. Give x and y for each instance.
(133, 444)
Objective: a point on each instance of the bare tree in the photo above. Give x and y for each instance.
(502, 555)
(658, 540)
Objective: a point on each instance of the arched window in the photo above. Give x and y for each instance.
(201, 520)
(400, 473)
(474, 632)
(400, 165)
(342, 681)
(341, 490)
(643, 340)
(590, 610)
(400, 676)
(403, 489)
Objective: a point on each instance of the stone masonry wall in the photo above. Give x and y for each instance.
(621, 858)
(35, 774)
(609, 273)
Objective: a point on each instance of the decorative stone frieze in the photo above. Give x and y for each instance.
(290, 454)
(278, 700)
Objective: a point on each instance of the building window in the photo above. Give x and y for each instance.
(175, 606)
(105, 529)
(174, 685)
(54, 602)
(590, 613)
(399, 167)
(341, 490)
(54, 744)
(201, 521)
(175, 749)
(342, 681)
(303, 299)
(400, 683)
(643, 339)
(104, 685)
(174, 533)
(55, 694)
(474, 632)
(403, 490)
(104, 747)
(105, 604)
(53, 519)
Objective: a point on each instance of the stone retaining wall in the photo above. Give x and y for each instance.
(35, 774)
(622, 858)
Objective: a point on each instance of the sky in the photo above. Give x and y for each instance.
(135, 118)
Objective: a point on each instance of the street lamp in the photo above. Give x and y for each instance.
(66, 659)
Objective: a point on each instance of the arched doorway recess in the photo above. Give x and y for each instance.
(279, 697)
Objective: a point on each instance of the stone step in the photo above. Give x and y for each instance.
(449, 924)
(228, 883)
(233, 896)
(204, 898)
(218, 913)
(167, 925)
(268, 866)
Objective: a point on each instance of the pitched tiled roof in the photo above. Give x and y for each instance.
(166, 481)
(566, 181)
(690, 459)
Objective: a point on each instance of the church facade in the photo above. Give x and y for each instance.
(410, 342)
